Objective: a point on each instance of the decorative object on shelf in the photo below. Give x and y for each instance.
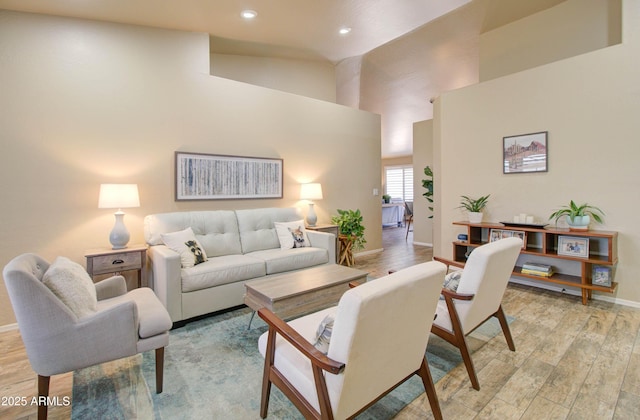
(118, 196)
(386, 198)
(351, 235)
(311, 191)
(497, 234)
(537, 269)
(428, 185)
(578, 217)
(525, 153)
(573, 246)
(463, 237)
(602, 275)
(534, 225)
(201, 176)
(474, 207)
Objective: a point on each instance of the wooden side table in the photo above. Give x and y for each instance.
(328, 229)
(115, 261)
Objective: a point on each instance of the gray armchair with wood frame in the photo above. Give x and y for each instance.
(68, 323)
(478, 297)
(380, 334)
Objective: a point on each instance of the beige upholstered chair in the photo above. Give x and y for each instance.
(118, 324)
(379, 340)
(478, 297)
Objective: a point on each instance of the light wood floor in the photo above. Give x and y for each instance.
(571, 361)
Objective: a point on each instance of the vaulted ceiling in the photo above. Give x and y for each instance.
(409, 50)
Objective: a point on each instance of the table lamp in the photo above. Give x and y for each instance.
(311, 191)
(118, 196)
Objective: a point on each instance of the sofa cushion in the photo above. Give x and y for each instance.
(292, 234)
(216, 230)
(184, 242)
(221, 270)
(257, 229)
(70, 282)
(279, 261)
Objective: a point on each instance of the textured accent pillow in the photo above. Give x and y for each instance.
(292, 234)
(323, 334)
(70, 282)
(184, 242)
(452, 281)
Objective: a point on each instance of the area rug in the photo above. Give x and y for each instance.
(213, 370)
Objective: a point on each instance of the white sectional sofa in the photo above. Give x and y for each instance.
(240, 245)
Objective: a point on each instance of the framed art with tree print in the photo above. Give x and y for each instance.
(202, 176)
(524, 153)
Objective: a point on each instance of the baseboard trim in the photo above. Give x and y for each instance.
(8, 327)
(423, 244)
(574, 292)
(373, 251)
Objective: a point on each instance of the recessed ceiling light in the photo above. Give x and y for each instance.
(344, 31)
(249, 14)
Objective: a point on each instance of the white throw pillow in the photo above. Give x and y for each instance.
(323, 334)
(292, 234)
(185, 243)
(70, 282)
(452, 281)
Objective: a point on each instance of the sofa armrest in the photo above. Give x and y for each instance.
(323, 240)
(167, 279)
(111, 287)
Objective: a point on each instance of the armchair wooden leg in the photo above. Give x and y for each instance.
(43, 393)
(430, 389)
(159, 369)
(266, 378)
(505, 328)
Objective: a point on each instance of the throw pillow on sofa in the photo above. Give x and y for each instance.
(452, 281)
(292, 234)
(72, 285)
(323, 334)
(185, 243)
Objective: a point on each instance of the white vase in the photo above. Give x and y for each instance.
(475, 217)
(579, 222)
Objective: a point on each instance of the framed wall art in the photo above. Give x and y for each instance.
(573, 246)
(525, 153)
(202, 176)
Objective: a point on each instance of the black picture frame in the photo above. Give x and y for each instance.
(525, 153)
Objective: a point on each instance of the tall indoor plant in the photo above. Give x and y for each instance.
(578, 217)
(428, 185)
(351, 233)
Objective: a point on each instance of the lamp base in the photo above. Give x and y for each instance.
(311, 216)
(119, 236)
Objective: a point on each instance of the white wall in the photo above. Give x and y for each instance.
(572, 27)
(84, 103)
(312, 78)
(589, 104)
(422, 156)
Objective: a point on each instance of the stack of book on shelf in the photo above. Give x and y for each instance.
(537, 269)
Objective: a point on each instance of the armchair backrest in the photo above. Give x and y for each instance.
(41, 315)
(380, 332)
(485, 275)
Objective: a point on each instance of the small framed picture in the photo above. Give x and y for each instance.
(602, 275)
(573, 246)
(497, 234)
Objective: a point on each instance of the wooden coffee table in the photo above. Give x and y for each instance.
(297, 293)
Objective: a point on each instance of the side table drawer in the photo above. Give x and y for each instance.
(117, 262)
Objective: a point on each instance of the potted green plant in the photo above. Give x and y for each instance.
(578, 217)
(351, 233)
(428, 185)
(386, 198)
(474, 207)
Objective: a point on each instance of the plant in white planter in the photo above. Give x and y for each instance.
(474, 206)
(578, 216)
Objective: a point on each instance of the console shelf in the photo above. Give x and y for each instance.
(541, 245)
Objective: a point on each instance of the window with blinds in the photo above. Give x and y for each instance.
(399, 182)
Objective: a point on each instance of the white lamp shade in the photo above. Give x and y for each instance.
(118, 196)
(311, 191)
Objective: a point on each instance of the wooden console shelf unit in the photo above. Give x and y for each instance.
(542, 246)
